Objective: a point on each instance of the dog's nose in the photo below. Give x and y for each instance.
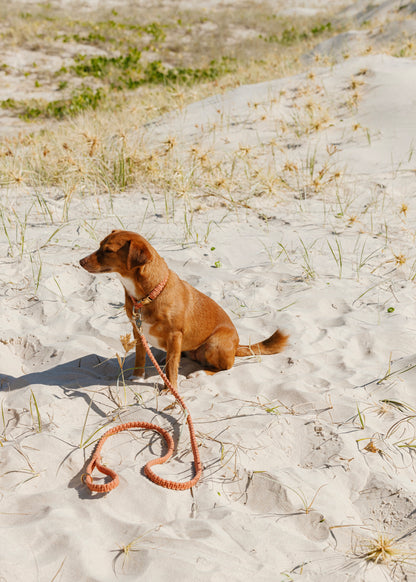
(82, 261)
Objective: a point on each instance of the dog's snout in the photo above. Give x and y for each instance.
(86, 262)
(91, 264)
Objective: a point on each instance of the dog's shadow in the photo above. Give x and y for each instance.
(93, 370)
(87, 371)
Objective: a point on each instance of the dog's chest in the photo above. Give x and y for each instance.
(131, 290)
(153, 340)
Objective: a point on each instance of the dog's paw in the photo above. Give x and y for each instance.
(197, 374)
(137, 379)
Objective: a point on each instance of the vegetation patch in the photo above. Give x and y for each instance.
(293, 35)
(110, 31)
(100, 66)
(80, 100)
(136, 73)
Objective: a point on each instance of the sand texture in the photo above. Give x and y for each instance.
(308, 226)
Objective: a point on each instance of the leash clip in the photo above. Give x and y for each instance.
(137, 316)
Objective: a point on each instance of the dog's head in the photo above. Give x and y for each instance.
(120, 252)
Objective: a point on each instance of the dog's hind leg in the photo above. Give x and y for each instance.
(218, 352)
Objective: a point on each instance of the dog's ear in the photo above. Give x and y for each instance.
(138, 255)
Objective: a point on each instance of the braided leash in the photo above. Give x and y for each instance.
(150, 474)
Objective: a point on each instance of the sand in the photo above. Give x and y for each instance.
(307, 454)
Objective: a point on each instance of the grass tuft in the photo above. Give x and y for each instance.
(386, 550)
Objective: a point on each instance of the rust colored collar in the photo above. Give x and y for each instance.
(138, 304)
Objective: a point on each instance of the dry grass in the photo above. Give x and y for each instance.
(101, 149)
(111, 151)
(106, 149)
(392, 553)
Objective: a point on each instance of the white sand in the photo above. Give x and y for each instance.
(280, 6)
(288, 491)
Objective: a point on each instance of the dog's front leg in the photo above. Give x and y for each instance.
(140, 359)
(173, 356)
(139, 362)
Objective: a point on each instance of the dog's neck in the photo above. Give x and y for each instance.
(139, 292)
(129, 285)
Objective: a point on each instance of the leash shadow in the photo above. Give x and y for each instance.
(93, 370)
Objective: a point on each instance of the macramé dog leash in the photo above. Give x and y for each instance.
(95, 461)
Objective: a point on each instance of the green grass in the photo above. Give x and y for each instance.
(80, 100)
(293, 35)
(125, 72)
(36, 418)
(135, 73)
(100, 66)
(109, 31)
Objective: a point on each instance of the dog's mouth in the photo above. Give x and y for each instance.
(94, 268)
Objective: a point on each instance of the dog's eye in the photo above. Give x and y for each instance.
(107, 251)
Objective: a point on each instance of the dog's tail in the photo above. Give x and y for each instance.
(274, 344)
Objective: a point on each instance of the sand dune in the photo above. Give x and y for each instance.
(309, 454)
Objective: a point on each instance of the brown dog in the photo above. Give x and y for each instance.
(176, 317)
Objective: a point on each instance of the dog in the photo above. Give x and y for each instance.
(176, 317)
